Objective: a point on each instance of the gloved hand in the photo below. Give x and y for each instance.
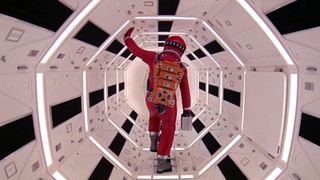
(128, 33)
(186, 113)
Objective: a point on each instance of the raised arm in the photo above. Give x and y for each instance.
(145, 55)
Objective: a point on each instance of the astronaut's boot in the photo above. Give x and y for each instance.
(154, 139)
(164, 165)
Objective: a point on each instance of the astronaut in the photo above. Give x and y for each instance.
(161, 97)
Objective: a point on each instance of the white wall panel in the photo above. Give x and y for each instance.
(250, 160)
(81, 163)
(265, 109)
(233, 19)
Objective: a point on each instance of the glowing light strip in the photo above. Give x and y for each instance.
(124, 61)
(172, 149)
(223, 43)
(187, 176)
(58, 176)
(144, 177)
(274, 174)
(105, 92)
(163, 33)
(43, 119)
(267, 31)
(106, 43)
(106, 153)
(243, 99)
(117, 79)
(165, 18)
(68, 31)
(291, 117)
(123, 133)
(198, 60)
(85, 101)
(221, 92)
(221, 153)
(165, 177)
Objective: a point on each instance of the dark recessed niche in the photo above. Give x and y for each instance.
(213, 90)
(198, 125)
(199, 53)
(115, 47)
(231, 96)
(213, 47)
(211, 143)
(164, 26)
(126, 53)
(132, 57)
(230, 170)
(16, 134)
(168, 7)
(112, 90)
(92, 34)
(62, 112)
(309, 128)
(102, 171)
(202, 86)
(133, 115)
(296, 16)
(191, 57)
(117, 144)
(162, 38)
(121, 86)
(49, 14)
(127, 126)
(96, 96)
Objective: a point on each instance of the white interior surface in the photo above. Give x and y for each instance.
(265, 102)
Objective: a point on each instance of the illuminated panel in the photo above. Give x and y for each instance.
(15, 135)
(49, 14)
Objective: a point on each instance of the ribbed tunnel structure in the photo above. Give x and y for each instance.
(72, 95)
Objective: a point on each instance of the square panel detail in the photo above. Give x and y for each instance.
(15, 35)
(35, 166)
(69, 128)
(11, 169)
(245, 161)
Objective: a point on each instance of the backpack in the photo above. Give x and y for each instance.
(167, 77)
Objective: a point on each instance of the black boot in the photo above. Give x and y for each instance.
(154, 142)
(164, 165)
